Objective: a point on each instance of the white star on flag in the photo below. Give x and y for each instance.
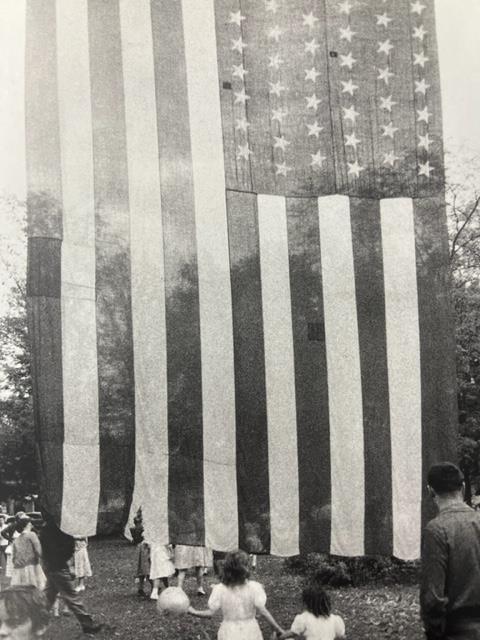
(420, 59)
(390, 158)
(389, 129)
(312, 102)
(387, 103)
(279, 114)
(352, 140)
(424, 169)
(421, 87)
(309, 20)
(350, 113)
(419, 32)
(241, 124)
(385, 75)
(417, 7)
(275, 33)
(282, 169)
(349, 87)
(424, 115)
(244, 151)
(383, 20)
(314, 129)
(241, 97)
(312, 46)
(384, 47)
(236, 18)
(311, 74)
(276, 88)
(347, 34)
(280, 143)
(347, 61)
(424, 142)
(238, 45)
(239, 71)
(345, 7)
(271, 5)
(354, 169)
(275, 61)
(317, 159)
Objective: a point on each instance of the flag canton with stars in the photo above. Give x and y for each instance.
(323, 97)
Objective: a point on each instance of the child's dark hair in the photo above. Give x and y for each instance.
(23, 603)
(235, 569)
(316, 599)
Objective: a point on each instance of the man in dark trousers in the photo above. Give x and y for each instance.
(450, 584)
(57, 550)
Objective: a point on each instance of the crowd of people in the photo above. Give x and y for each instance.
(52, 565)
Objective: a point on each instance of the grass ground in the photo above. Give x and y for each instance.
(370, 613)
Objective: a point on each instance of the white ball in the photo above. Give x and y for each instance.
(174, 600)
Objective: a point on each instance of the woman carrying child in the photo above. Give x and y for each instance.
(239, 599)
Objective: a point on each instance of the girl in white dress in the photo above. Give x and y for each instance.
(239, 599)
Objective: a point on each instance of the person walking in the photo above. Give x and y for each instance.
(450, 578)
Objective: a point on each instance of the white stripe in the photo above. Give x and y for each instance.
(81, 464)
(404, 377)
(147, 271)
(279, 376)
(344, 377)
(216, 332)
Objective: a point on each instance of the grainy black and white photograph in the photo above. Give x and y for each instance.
(240, 319)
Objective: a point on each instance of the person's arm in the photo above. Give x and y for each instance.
(433, 599)
(201, 613)
(288, 634)
(265, 613)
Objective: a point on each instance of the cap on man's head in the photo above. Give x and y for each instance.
(445, 477)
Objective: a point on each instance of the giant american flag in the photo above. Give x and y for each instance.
(237, 279)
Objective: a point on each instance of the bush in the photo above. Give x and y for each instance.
(341, 572)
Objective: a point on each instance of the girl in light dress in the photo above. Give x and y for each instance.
(189, 557)
(316, 622)
(239, 599)
(26, 556)
(161, 567)
(83, 568)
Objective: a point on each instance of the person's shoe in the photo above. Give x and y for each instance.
(154, 594)
(81, 587)
(200, 591)
(95, 628)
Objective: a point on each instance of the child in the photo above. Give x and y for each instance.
(23, 613)
(316, 622)
(82, 563)
(161, 567)
(26, 556)
(143, 554)
(239, 600)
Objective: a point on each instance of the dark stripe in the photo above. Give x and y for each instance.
(113, 308)
(250, 393)
(44, 206)
(437, 347)
(313, 432)
(186, 502)
(370, 294)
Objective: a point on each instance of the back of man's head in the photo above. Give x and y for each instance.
(445, 477)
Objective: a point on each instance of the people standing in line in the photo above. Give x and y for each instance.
(187, 557)
(26, 556)
(23, 613)
(161, 567)
(239, 599)
(450, 580)
(58, 549)
(83, 567)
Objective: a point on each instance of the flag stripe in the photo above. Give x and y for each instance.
(344, 377)
(185, 436)
(44, 204)
(114, 322)
(401, 311)
(439, 392)
(279, 376)
(216, 330)
(370, 297)
(313, 434)
(147, 269)
(250, 394)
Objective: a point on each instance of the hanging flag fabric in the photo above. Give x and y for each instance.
(237, 282)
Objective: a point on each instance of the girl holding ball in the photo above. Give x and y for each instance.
(239, 599)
